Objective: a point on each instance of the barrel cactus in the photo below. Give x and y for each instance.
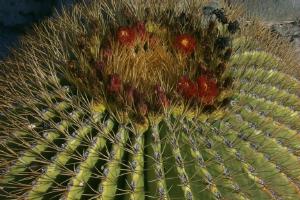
(136, 99)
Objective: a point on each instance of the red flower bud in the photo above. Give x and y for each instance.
(114, 83)
(162, 98)
(99, 67)
(129, 94)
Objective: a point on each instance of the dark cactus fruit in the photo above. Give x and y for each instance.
(233, 26)
(222, 42)
(222, 122)
(221, 16)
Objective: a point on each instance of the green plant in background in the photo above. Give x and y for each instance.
(150, 100)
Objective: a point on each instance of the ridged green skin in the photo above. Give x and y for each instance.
(56, 144)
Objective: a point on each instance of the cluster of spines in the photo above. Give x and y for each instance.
(213, 163)
(180, 165)
(201, 168)
(86, 167)
(62, 157)
(25, 162)
(161, 188)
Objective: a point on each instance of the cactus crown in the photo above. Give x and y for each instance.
(150, 100)
(145, 63)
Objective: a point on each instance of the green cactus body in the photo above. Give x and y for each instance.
(62, 137)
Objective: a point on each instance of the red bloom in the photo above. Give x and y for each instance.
(185, 43)
(126, 35)
(186, 87)
(207, 89)
(114, 83)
